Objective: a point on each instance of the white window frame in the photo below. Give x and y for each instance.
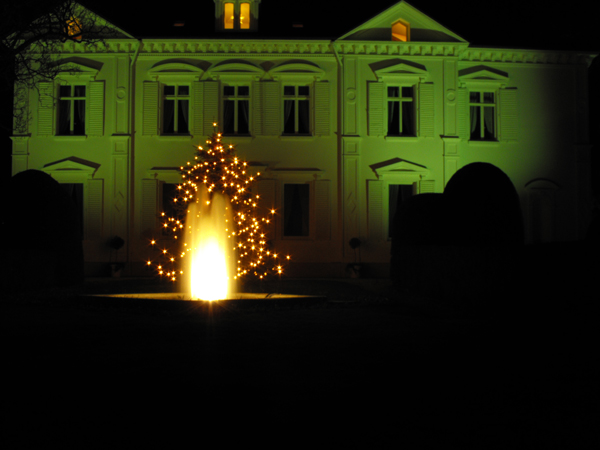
(296, 98)
(483, 106)
(176, 98)
(400, 100)
(236, 98)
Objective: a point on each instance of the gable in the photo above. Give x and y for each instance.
(420, 27)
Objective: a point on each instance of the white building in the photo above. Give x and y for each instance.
(393, 107)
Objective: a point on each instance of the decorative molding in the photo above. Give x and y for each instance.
(397, 166)
(73, 166)
(394, 48)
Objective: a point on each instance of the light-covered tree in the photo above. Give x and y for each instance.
(217, 167)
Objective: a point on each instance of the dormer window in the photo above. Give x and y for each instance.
(401, 31)
(73, 28)
(236, 15)
(236, 19)
(245, 16)
(229, 16)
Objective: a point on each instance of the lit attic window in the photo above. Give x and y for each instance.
(229, 16)
(236, 16)
(401, 31)
(74, 28)
(245, 16)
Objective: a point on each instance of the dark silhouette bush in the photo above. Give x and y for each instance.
(42, 229)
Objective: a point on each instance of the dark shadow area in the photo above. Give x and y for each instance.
(465, 249)
(42, 227)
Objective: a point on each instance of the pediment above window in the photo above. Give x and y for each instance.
(482, 75)
(397, 69)
(235, 68)
(175, 70)
(297, 174)
(396, 167)
(71, 168)
(297, 68)
(167, 174)
(78, 69)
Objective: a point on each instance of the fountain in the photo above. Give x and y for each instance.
(210, 265)
(210, 261)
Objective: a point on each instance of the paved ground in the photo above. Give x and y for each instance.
(370, 367)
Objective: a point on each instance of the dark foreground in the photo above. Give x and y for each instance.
(370, 368)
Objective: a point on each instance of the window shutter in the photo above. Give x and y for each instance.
(96, 109)
(322, 210)
(150, 120)
(197, 111)
(509, 123)
(375, 210)
(256, 119)
(211, 106)
(271, 108)
(462, 115)
(322, 111)
(426, 186)
(94, 216)
(45, 108)
(149, 205)
(376, 115)
(426, 107)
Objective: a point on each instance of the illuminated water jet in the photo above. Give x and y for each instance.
(210, 265)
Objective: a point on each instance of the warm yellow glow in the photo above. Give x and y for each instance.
(245, 16)
(228, 16)
(211, 265)
(401, 31)
(74, 28)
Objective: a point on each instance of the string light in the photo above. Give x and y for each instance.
(222, 171)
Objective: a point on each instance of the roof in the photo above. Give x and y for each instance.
(511, 24)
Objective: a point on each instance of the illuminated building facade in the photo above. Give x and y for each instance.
(339, 129)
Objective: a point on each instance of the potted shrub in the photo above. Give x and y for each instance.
(116, 268)
(355, 268)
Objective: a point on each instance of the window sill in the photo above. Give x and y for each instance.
(476, 143)
(236, 137)
(177, 137)
(296, 238)
(70, 137)
(299, 137)
(401, 138)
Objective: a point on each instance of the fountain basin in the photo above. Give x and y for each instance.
(238, 301)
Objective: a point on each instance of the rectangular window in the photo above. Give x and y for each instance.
(228, 16)
(296, 209)
(482, 110)
(236, 110)
(400, 111)
(176, 109)
(245, 16)
(75, 194)
(398, 193)
(296, 110)
(71, 110)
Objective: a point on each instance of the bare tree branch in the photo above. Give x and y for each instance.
(32, 34)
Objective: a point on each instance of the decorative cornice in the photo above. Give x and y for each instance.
(503, 55)
(393, 48)
(236, 47)
(198, 47)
